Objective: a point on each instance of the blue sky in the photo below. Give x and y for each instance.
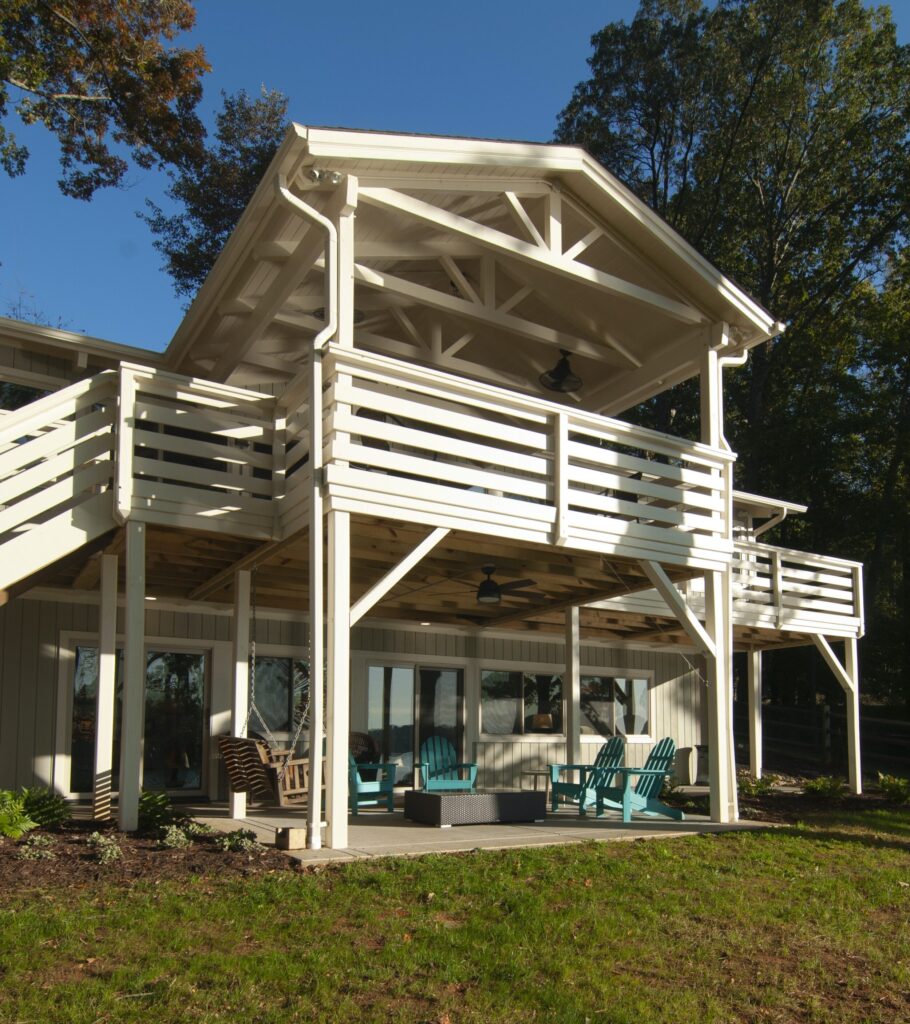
(497, 69)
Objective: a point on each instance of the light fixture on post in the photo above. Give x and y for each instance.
(488, 592)
(561, 378)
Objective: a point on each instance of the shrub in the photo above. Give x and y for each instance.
(827, 786)
(38, 847)
(894, 788)
(195, 829)
(156, 813)
(747, 786)
(106, 848)
(45, 807)
(240, 841)
(173, 837)
(14, 821)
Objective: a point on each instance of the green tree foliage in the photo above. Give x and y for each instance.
(213, 189)
(773, 136)
(100, 75)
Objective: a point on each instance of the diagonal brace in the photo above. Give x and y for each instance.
(677, 604)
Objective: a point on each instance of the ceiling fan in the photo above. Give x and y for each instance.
(490, 591)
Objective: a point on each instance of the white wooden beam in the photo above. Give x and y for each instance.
(458, 278)
(376, 593)
(477, 312)
(240, 689)
(847, 674)
(338, 656)
(520, 215)
(315, 587)
(535, 254)
(678, 607)
(107, 680)
(722, 769)
(553, 221)
(572, 685)
(134, 669)
(755, 713)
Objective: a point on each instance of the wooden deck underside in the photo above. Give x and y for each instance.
(188, 565)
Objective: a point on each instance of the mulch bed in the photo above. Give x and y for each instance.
(143, 859)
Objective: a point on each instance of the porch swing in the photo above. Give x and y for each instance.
(260, 767)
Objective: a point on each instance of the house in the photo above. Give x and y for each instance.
(382, 448)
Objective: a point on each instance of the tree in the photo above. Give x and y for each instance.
(213, 189)
(773, 136)
(99, 75)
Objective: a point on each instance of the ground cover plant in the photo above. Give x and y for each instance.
(805, 923)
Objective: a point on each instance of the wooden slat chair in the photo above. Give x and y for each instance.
(440, 768)
(255, 769)
(644, 795)
(370, 784)
(590, 776)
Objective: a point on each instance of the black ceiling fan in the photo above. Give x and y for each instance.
(490, 591)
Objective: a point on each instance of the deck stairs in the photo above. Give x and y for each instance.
(56, 476)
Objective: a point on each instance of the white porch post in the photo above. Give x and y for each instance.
(107, 676)
(573, 686)
(338, 669)
(718, 612)
(241, 671)
(133, 679)
(316, 624)
(854, 759)
(755, 722)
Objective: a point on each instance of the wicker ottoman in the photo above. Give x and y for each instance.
(481, 808)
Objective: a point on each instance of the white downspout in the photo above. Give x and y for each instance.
(316, 582)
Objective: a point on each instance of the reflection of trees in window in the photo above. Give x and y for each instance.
(516, 703)
(281, 695)
(613, 706)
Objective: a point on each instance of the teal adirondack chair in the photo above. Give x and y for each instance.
(643, 796)
(600, 773)
(440, 768)
(370, 792)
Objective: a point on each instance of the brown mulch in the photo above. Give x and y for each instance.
(143, 859)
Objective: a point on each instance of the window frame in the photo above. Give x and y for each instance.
(648, 676)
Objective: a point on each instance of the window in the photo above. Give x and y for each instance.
(519, 703)
(281, 695)
(614, 706)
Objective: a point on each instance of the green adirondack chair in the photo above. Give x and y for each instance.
(643, 796)
(440, 768)
(600, 773)
(370, 791)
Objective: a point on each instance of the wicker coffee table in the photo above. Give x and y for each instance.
(480, 808)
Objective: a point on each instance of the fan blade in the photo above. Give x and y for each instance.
(516, 585)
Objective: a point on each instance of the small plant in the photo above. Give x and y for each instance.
(106, 848)
(827, 786)
(240, 841)
(38, 847)
(45, 807)
(195, 829)
(174, 837)
(156, 812)
(747, 786)
(14, 820)
(894, 788)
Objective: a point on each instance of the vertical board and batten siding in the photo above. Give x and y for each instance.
(13, 358)
(30, 641)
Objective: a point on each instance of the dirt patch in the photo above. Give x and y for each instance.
(75, 863)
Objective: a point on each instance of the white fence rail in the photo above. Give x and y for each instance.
(426, 446)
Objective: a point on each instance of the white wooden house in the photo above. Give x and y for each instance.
(358, 423)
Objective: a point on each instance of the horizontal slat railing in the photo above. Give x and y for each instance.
(195, 453)
(430, 447)
(796, 590)
(56, 474)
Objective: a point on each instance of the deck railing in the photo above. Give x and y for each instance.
(788, 589)
(426, 446)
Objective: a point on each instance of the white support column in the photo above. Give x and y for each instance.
(854, 757)
(345, 269)
(316, 599)
(107, 680)
(755, 722)
(572, 686)
(133, 680)
(240, 692)
(338, 632)
(718, 612)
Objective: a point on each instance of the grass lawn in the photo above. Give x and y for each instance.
(810, 923)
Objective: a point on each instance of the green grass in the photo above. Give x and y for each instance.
(803, 924)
